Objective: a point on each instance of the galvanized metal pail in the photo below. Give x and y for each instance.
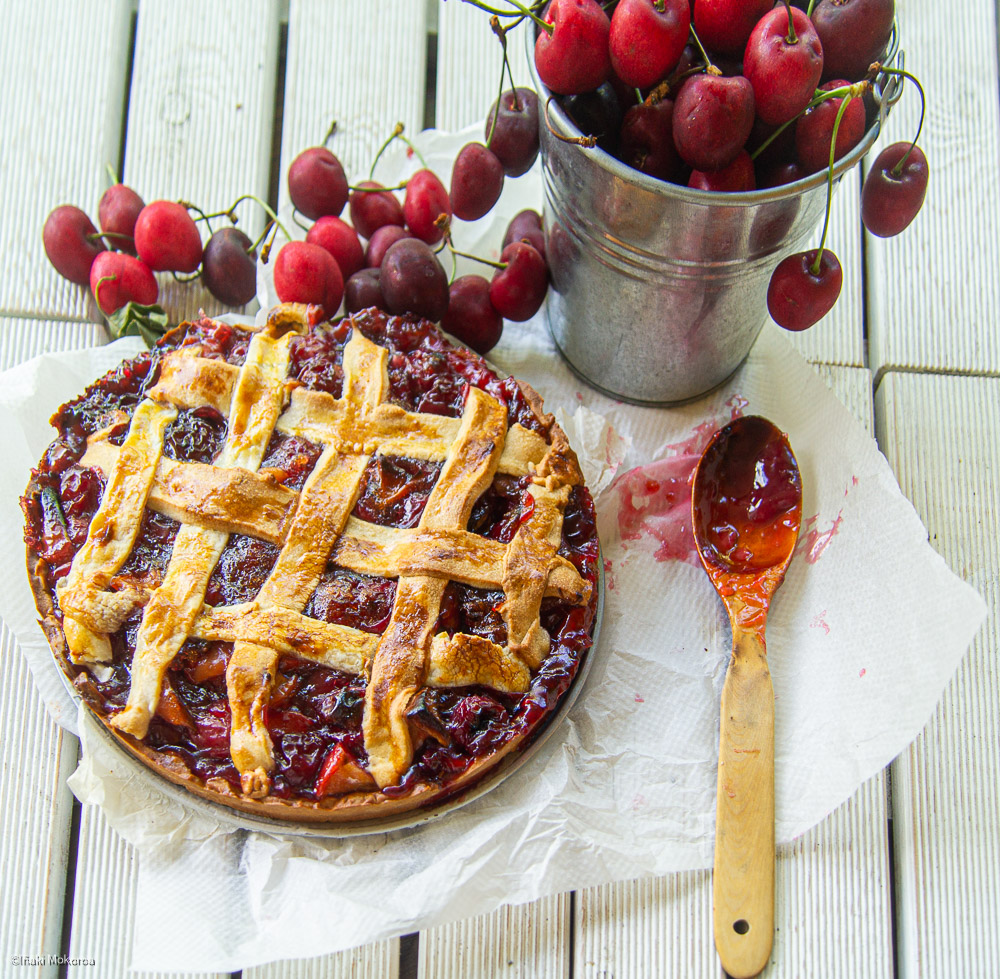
(659, 291)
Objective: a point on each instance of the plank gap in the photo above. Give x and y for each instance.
(928, 372)
(67, 914)
(571, 957)
(127, 94)
(891, 844)
(274, 178)
(409, 949)
(430, 85)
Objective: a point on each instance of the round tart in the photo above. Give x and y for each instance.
(314, 571)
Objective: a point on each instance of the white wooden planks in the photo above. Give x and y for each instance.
(35, 816)
(200, 116)
(65, 67)
(21, 338)
(940, 435)
(933, 291)
(523, 942)
(468, 64)
(361, 63)
(378, 961)
(832, 916)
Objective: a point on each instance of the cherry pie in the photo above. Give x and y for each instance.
(314, 571)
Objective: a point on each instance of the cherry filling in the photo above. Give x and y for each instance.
(395, 491)
(195, 435)
(218, 341)
(242, 570)
(317, 358)
(290, 459)
(474, 611)
(502, 508)
(355, 600)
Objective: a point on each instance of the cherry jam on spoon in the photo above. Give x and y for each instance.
(747, 507)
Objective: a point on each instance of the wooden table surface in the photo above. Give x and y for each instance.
(203, 98)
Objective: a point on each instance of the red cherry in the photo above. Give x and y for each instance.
(738, 176)
(127, 279)
(425, 201)
(891, 200)
(117, 212)
(306, 273)
(341, 241)
(574, 58)
(784, 73)
(518, 291)
(712, 119)
(647, 141)
(476, 182)
(166, 238)
(471, 317)
(373, 209)
(526, 225)
(853, 33)
(724, 26)
(317, 184)
(796, 296)
(66, 243)
(814, 130)
(381, 241)
(647, 38)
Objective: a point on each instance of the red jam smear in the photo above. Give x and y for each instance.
(748, 511)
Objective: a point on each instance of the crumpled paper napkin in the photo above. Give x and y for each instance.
(626, 787)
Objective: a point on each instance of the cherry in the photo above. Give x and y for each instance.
(647, 141)
(471, 317)
(306, 273)
(853, 33)
(572, 57)
(597, 114)
(67, 245)
(317, 184)
(117, 212)
(799, 295)
(518, 291)
(526, 226)
(372, 209)
(341, 241)
(229, 267)
(814, 130)
(738, 176)
(783, 61)
(712, 119)
(413, 280)
(515, 138)
(166, 238)
(476, 182)
(425, 201)
(894, 190)
(724, 26)
(379, 243)
(647, 38)
(125, 279)
(779, 174)
(363, 290)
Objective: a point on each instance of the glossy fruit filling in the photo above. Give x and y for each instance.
(314, 711)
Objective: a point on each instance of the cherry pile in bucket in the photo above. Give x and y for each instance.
(733, 96)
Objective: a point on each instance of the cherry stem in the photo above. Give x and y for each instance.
(329, 133)
(709, 67)
(375, 190)
(521, 12)
(809, 9)
(265, 252)
(500, 33)
(260, 240)
(475, 258)
(97, 235)
(112, 174)
(855, 90)
(662, 90)
(814, 268)
(184, 281)
(898, 168)
(268, 210)
(588, 141)
(295, 218)
(397, 130)
(791, 37)
(202, 215)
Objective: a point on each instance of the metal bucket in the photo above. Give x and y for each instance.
(659, 291)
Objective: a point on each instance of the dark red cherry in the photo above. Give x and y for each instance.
(363, 290)
(574, 58)
(117, 212)
(712, 119)
(317, 184)
(797, 297)
(413, 280)
(647, 141)
(647, 38)
(890, 200)
(724, 26)
(526, 226)
(814, 130)
(372, 206)
(476, 182)
(69, 245)
(471, 317)
(515, 136)
(738, 176)
(229, 267)
(784, 73)
(853, 33)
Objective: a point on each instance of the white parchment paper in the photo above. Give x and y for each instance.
(627, 786)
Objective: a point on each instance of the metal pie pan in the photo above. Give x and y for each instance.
(233, 819)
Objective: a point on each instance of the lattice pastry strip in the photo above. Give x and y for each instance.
(257, 400)
(324, 505)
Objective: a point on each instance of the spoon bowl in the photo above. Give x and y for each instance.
(746, 505)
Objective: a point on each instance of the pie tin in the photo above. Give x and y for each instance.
(233, 819)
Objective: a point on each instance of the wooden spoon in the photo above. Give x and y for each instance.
(747, 507)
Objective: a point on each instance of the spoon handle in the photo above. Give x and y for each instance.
(743, 882)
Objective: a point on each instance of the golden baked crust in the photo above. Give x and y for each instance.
(312, 528)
